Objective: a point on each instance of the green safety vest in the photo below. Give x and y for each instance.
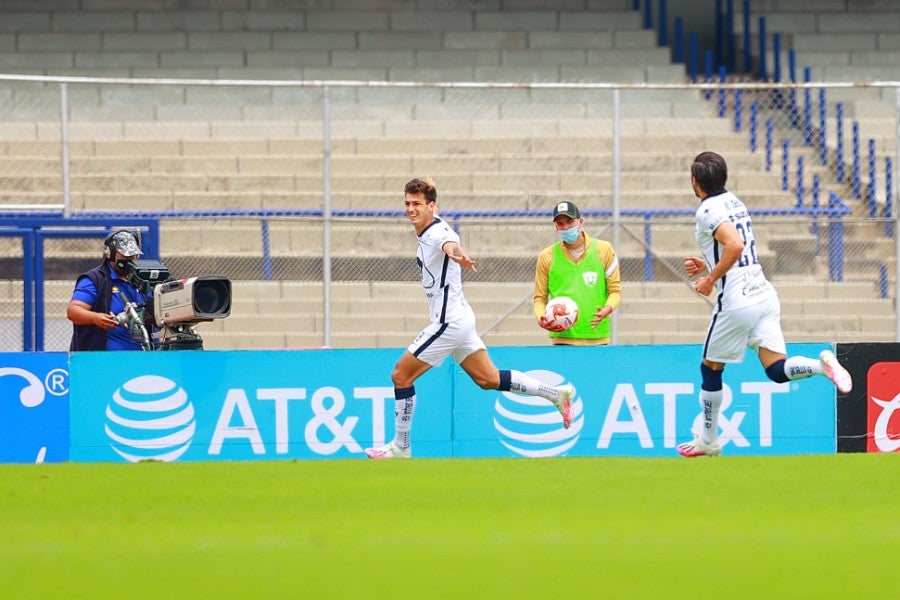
(585, 283)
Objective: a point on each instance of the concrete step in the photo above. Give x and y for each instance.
(634, 147)
(289, 314)
(486, 182)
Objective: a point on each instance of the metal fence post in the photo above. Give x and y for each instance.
(64, 147)
(835, 240)
(28, 284)
(326, 215)
(897, 219)
(616, 189)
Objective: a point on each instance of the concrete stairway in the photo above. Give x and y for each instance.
(839, 42)
(419, 41)
(223, 148)
(286, 314)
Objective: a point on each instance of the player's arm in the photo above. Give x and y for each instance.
(542, 291)
(541, 285)
(732, 247)
(458, 255)
(613, 283)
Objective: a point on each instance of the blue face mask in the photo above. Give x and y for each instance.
(569, 236)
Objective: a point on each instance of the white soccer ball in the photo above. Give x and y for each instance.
(562, 310)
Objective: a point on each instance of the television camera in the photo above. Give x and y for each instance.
(175, 308)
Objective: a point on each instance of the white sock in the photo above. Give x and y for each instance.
(710, 402)
(801, 367)
(521, 383)
(403, 414)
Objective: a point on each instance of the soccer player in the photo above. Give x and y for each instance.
(452, 330)
(747, 311)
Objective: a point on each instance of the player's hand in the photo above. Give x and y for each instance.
(704, 286)
(550, 325)
(694, 265)
(463, 260)
(602, 313)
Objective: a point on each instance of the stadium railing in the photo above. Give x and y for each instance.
(249, 183)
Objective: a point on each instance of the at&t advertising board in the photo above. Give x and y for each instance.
(641, 401)
(212, 405)
(244, 405)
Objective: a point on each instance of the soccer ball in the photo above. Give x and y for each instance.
(563, 311)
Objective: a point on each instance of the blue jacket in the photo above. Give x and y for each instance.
(91, 337)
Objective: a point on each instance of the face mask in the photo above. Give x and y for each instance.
(123, 267)
(569, 236)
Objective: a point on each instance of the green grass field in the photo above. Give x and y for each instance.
(761, 527)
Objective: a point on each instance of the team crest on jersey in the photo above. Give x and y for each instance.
(590, 278)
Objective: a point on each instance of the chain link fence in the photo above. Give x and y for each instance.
(294, 190)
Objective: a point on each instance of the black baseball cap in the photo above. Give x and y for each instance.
(566, 208)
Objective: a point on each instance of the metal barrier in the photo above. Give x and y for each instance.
(249, 180)
(34, 230)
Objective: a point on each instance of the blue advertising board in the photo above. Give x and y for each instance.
(245, 405)
(242, 405)
(641, 401)
(34, 407)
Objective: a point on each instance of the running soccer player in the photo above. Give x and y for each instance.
(452, 330)
(747, 311)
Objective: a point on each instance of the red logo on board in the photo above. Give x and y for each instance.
(883, 407)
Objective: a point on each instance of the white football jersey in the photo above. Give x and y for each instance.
(441, 277)
(744, 283)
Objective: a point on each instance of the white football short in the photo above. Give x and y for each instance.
(440, 340)
(756, 326)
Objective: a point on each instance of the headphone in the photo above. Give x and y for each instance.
(109, 244)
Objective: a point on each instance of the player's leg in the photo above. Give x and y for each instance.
(429, 349)
(726, 341)
(481, 369)
(781, 368)
(767, 337)
(706, 443)
(711, 399)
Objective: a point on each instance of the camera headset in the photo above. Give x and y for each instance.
(123, 267)
(109, 243)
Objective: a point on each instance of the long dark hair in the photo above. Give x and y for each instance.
(711, 172)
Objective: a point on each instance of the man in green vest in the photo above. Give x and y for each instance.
(586, 270)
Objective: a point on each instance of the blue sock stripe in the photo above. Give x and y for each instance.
(505, 380)
(776, 372)
(712, 379)
(403, 393)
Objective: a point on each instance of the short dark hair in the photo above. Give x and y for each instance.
(711, 172)
(420, 186)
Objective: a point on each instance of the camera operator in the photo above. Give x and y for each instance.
(109, 309)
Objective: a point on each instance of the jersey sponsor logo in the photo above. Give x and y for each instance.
(754, 289)
(590, 278)
(883, 407)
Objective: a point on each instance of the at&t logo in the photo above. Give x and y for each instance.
(532, 426)
(150, 418)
